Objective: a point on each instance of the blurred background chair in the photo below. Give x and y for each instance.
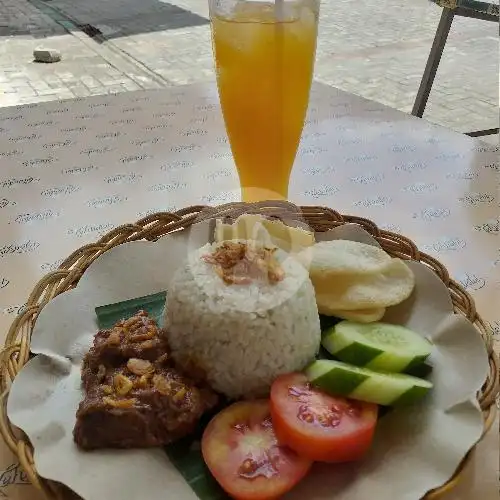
(466, 8)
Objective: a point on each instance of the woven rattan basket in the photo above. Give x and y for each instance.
(17, 347)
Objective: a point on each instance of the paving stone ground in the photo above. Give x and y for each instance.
(119, 18)
(87, 68)
(375, 48)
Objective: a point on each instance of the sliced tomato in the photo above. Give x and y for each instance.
(242, 452)
(318, 426)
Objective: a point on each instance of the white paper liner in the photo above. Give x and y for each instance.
(416, 449)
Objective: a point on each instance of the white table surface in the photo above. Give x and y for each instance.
(72, 170)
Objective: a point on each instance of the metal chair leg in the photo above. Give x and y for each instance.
(433, 62)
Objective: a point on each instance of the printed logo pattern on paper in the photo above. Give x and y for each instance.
(74, 170)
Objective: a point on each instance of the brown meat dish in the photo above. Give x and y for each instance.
(138, 337)
(135, 397)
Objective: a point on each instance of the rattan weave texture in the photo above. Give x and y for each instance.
(17, 344)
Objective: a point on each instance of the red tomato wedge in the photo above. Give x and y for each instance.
(242, 452)
(318, 426)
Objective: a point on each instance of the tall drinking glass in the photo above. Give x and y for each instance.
(264, 58)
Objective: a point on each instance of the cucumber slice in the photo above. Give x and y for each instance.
(421, 371)
(378, 346)
(386, 389)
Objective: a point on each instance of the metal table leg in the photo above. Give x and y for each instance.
(433, 62)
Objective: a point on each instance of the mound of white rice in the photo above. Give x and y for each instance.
(242, 336)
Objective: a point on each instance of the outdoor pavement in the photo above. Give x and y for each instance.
(374, 48)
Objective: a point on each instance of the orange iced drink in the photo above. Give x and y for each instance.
(264, 56)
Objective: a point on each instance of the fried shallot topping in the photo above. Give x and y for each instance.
(241, 263)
